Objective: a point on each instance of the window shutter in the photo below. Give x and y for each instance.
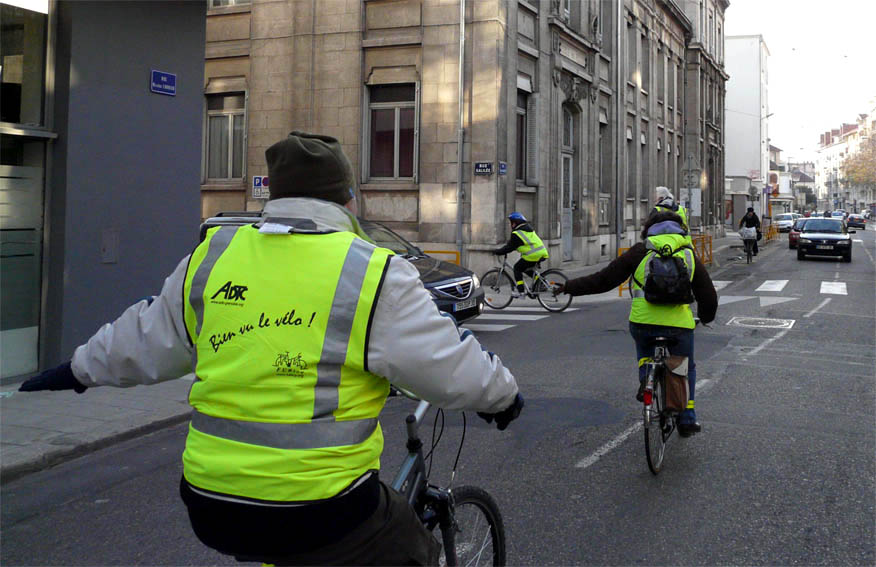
(531, 141)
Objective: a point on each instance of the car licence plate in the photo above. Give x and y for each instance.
(824, 247)
(468, 303)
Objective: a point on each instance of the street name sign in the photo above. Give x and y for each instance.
(163, 83)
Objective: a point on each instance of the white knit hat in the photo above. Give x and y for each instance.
(664, 193)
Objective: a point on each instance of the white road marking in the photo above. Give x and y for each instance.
(834, 288)
(605, 449)
(857, 240)
(767, 301)
(502, 317)
(720, 284)
(817, 309)
(486, 328)
(768, 342)
(725, 299)
(537, 309)
(772, 285)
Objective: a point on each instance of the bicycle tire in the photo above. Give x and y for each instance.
(480, 531)
(748, 251)
(545, 291)
(655, 442)
(497, 286)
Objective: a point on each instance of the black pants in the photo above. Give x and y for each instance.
(522, 267)
(333, 532)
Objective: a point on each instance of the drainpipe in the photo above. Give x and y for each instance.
(460, 136)
(620, 131)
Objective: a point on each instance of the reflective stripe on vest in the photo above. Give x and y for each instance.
(641, 311)
(533, 248)
(313, 435)
(284, 409)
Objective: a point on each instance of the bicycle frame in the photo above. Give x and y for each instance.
(509, 269)
(432, 504)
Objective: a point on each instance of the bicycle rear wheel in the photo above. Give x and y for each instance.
(655, 422)
(480, 533)
(545, 291)
(497, 287)
(748, 251)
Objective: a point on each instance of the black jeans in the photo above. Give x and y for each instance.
(371, 525)
(522, 267)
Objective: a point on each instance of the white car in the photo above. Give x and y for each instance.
(784, 221)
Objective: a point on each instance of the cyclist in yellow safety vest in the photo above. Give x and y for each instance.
(666, 203)
(648, 320)
(526, 241)
(294, 326)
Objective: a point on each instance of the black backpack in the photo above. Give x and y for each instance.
(668, 279)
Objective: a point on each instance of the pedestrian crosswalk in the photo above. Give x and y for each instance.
(493, 321)
(808, 288)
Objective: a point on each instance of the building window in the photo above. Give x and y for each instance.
(222, 3)
(521, 136)
(661, 168)
(631, 166)
(661, 76)
(226, 128)
(22, 64)
(603, 211)
(646, 64)
(392, 111)
(634, 77)
(567, 9)
(569, 155)
(670, 81)
(646, 171)
(604, 150)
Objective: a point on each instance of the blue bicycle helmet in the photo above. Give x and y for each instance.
(515, 216)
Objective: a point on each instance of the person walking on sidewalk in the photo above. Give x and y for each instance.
(750, 220)
(526, 241)
(648, 320)
(295, 326)
(666, 203)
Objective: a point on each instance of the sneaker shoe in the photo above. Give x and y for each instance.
(516, 294)
(531, 295)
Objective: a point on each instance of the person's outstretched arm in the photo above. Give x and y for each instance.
(608, 278)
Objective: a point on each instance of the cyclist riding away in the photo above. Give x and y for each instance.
(750, 220)
(663, 234)
(666, 203)
(294, 327)
(526, 241)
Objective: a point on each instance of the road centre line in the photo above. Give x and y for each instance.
(834, 288)
(820, 305)
(605, 449)
(772, 285)
(767, 342)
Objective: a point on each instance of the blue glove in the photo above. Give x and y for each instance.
(58, 378)
(506, 416)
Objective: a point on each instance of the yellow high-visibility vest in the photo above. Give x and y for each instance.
(285, 408)
(642, 311)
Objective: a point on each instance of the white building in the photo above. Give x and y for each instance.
(747, 110)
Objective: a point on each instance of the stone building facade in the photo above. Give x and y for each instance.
(543, 131)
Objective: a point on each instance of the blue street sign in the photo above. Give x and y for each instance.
(163, 83)
(483, 168)
(503, 168)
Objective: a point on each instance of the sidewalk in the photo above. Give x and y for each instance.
(41, 429)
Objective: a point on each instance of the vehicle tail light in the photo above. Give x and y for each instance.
(648, 397)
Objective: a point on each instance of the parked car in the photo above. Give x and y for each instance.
(794, 233)
(825, 237)
(857, 221)
(455, 290)
(784, 221)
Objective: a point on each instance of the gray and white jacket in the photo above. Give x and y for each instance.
(411, 343)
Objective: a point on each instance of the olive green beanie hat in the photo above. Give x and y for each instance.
(309, 165)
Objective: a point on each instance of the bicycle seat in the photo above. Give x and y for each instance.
(662, 341)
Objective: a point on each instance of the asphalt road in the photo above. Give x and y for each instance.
(784, 472)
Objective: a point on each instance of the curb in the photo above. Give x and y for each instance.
(54, 458)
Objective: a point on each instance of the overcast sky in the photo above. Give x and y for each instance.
(822, 64)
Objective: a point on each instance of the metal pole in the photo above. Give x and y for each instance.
(460, 136)
(619, 130)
